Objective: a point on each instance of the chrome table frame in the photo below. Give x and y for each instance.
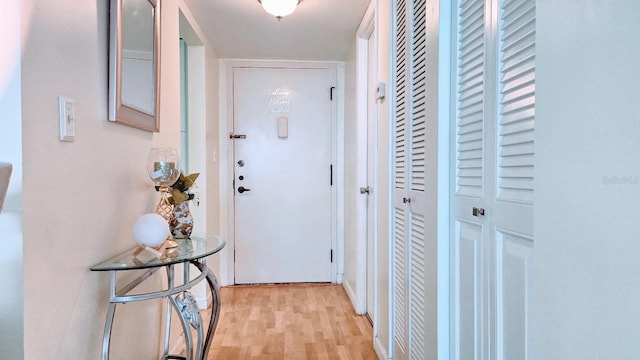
(178, 298)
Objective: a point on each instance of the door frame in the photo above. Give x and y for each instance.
(227, 205)
(365, 31)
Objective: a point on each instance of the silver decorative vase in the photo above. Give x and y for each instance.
(182, 223)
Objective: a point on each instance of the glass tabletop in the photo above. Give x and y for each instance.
(193, 248)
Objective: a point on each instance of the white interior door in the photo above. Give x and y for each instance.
(282, 174)
(492, 203)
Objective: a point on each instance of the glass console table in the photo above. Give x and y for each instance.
(190, 251)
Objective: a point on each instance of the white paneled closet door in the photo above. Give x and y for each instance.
(409, 186)
(492, 203)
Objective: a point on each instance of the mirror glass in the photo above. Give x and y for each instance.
(134, 76)
(137, 55)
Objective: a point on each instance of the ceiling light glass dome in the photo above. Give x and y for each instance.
(279, 8)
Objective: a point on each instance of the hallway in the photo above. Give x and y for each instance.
(290, 322)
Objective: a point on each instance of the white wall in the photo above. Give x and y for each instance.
(11, 276)
(81, 198)
(350, 281)
(203, 117)
(203, 135)
(214, 154)
(587, 290)
(10, 103)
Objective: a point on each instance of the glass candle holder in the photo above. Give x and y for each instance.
(162, 166)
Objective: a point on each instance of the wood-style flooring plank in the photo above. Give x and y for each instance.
(290, 322)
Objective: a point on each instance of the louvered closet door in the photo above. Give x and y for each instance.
(512, 226)
(493, 137)
(469, 188)
(409, 191)
(400, 216)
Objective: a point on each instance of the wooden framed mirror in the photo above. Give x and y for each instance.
(134, 63)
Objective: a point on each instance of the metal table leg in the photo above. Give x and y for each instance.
(215, 306)
(192, 251)
(184, 321)
(106, 338)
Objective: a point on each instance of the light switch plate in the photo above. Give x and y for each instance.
(380, 91)
(283, 127)
(67, 119)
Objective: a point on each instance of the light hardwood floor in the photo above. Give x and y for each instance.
(290, 322)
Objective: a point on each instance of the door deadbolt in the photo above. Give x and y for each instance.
(241, 163)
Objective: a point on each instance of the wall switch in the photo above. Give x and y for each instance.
(380, 91)
(283, 127)
(67, 119)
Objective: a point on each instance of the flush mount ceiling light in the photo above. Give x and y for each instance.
(279, 8)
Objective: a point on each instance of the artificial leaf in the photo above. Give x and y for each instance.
(190, 180)
(178, 196)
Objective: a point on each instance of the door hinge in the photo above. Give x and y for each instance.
(331, 175)
(331, 255)
(331, 92)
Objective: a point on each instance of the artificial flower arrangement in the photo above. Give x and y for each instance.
(184, 189)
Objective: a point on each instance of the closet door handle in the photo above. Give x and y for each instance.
(477, 211)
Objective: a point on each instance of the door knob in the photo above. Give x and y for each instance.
(242, 189)
(477, 211)
(365, 190)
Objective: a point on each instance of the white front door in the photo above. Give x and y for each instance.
(492, 200)
(283, 174)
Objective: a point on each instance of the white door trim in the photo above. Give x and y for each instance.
(227, 272)
(365, 31)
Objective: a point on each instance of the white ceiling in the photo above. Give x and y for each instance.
(317, 30)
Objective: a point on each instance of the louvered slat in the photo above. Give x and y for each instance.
(516, 128)
(400, 276)
(400, 76)
(401, 158)
(418, 91)
(470, 105)
(416, 242)
(417, 291)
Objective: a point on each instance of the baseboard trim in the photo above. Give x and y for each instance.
(350, 293)
(359, 308)
(378, 347)
(203, 301)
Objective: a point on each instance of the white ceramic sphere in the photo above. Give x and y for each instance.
(150, 230)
